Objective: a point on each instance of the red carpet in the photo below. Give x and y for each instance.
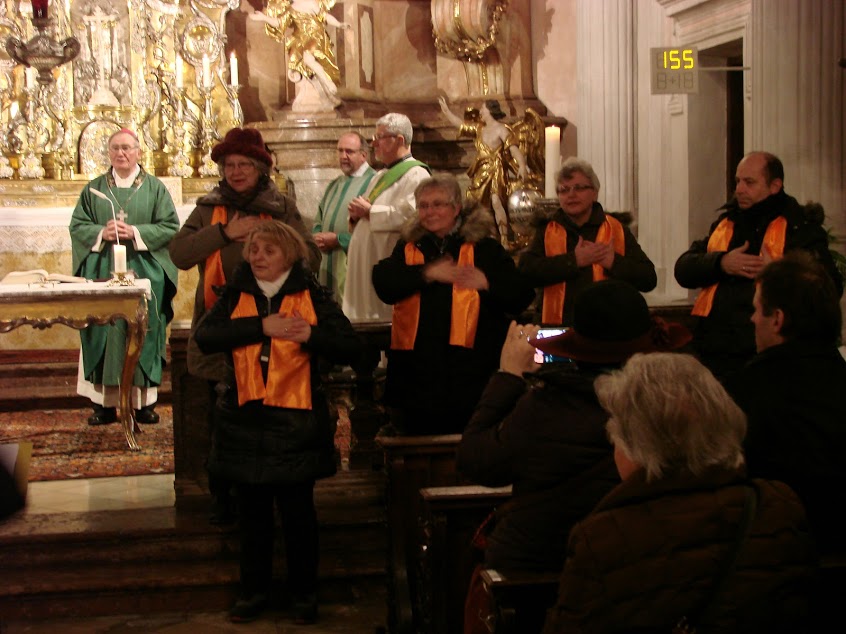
(65, 447)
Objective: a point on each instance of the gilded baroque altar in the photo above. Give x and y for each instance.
(156, 66)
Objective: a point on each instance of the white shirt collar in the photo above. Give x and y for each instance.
(361, 169)
(126, 182)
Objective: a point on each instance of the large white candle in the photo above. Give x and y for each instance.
(552, 153)
(30, 77)
(233, 70)
(178, 67)
(120, 258)
(206, 72)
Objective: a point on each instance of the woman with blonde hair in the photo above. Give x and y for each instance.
(273, 436)
(685, 535)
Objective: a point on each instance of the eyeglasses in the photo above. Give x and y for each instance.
(438, 204)
(566, 189)
(241, 166)
(122, 148)
(378, 137)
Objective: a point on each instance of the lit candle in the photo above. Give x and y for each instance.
(233, 70)
(178, 67)
(206, 72)
(39, 8)
(30, 77)
(553, 159)
(120, 258)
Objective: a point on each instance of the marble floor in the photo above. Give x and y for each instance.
(364, 615)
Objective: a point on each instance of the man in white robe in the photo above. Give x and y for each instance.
(376, 217)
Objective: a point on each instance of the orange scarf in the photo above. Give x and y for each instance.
(213, 274)
(555, 243)
(720, 239)
(289, 368)
(464, 318)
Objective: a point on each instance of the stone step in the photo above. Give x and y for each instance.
(110, 562)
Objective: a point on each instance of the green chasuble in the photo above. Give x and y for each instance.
(149, 208)
(333, 215)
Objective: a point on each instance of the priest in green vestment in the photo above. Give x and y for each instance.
(138, 212)
(331, 226)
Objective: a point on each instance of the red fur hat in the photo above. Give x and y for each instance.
(243, 141)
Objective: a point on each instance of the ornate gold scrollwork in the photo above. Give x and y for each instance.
(466, 29)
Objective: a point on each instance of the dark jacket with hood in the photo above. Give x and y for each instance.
(725, 339)
(437, 385)
(198, 238)
(547, 438)
(261, 444)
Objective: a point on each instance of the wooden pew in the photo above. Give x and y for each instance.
(411, 463)
(451, 517)
(513, 590)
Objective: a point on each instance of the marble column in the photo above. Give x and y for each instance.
(605, 64)
(797, 98)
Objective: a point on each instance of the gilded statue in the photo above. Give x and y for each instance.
(301, 26)
(508, 157)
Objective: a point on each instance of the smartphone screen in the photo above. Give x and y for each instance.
(542, 357)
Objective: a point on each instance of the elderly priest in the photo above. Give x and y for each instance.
(130, 207)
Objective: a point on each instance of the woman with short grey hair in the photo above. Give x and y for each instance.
(685, 535)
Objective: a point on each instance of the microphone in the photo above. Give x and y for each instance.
(100, 194)
(119, 250)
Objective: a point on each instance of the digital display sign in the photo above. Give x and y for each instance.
(675, 70)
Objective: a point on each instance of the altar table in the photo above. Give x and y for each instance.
(79, 306)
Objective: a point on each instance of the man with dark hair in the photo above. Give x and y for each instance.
(792, 391)
(759, 224)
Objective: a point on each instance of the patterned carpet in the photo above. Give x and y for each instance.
(65, 447)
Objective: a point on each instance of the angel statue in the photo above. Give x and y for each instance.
(508, 158)
(301, 26)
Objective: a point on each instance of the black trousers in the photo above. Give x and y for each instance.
(295, 503)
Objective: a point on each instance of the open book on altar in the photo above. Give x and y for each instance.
(39, 276)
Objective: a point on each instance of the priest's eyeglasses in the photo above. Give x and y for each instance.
(122, 148)
(566, 189)
(378, 137)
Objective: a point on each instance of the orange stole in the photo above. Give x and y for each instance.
(464, 318)
(774, 238)
(555, 243)
(289, 368)
(213, 275)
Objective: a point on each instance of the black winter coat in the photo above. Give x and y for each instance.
(634, 267)
(437, 385)
(725, 339)
(792, 395)
(650, 553)
(549, 442)
(261, 444)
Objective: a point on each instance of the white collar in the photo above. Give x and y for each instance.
(126, 182)
(271, 288)
(361, 170)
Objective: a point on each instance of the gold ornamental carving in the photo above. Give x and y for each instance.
(466, 29)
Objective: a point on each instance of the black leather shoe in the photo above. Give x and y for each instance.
(103, 415)
(146, 415)
(248, 609)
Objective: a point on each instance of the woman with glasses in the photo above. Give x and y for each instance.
(213, 236)
(579, 245)
(454, 290)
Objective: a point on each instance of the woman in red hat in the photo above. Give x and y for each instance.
(212, 239)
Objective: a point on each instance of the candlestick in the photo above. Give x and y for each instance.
(39, 8)
(552, 149)
(233, 69)
(206, 72)
(30, 77)
(178, 67)
(120, 258)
